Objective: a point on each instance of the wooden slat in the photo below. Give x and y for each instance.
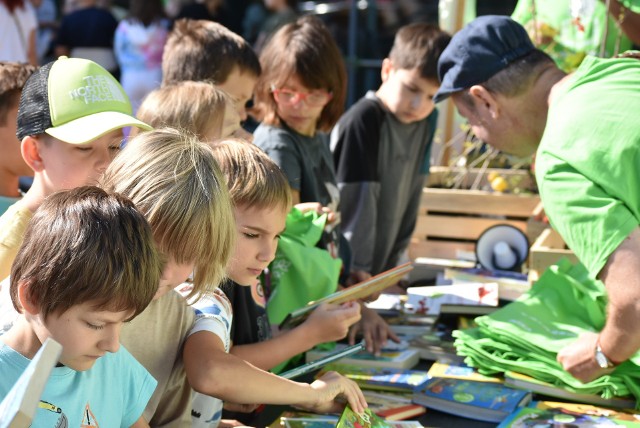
(477, 202)
(438, 249)
(456, 227)
(547, 250)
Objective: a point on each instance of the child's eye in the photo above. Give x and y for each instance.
(250, 235)
(114, 148)
(93, 326)
(83, 148)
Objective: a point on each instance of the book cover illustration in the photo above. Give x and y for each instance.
(358, 291)
(459, 371)
(290, 419)
(381, 378)
(556, 414)
(428, 299)
(368, 419)
(521, 381)
(486, 401)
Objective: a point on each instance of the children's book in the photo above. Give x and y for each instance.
(477, 310)
(521, 381)
(368, 419)
(384, 378)
(459, 371)
(398, 358)
(311, 420)
(427, 300)
(19, 407)
(485, 401)
(317, 363)
(393, 406)
(358, 291)
(552, 414)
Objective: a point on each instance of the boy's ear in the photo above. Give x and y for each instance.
(25, 301)
(485, 100)
(30, 149)
(387, 68)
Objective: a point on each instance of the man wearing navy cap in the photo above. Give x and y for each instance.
(585, 131)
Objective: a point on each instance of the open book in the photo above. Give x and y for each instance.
(358, 291)
(19, 406)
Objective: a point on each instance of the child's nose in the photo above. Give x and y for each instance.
(111, 342)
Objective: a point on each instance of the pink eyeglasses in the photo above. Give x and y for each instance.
(287, 96)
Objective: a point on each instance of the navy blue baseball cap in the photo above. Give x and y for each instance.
(481, 49)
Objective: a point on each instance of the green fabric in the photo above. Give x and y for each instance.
(300, 272)
(526, 335)
(563, 38)
(588, 161)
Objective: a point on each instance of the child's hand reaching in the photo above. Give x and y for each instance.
(332, 385)
(375, 331)
(317, 207)
(330, 322)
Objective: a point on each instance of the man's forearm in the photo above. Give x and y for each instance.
(620, 338)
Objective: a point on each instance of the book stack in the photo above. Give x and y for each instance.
(427, 300)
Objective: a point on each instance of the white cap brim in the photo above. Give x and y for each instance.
(88, 128)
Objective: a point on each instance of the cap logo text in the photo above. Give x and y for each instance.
(97, 89)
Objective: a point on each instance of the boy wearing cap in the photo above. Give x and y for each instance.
(381, 148)
(584, 130)
(13, 76)
(70, 121)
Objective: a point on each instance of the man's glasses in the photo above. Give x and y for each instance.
(287, 96)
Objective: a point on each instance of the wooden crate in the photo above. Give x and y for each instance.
(546, 251)
(451, 220)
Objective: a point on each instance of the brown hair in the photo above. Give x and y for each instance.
(83, 245)
(253, 179)
(174, 180)
(205, 50)
(306, 49)
(418, 46)
(146, 11)
(193, 106)
(13, 76)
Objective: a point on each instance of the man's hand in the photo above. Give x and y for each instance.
(579, 358)
(375, 331)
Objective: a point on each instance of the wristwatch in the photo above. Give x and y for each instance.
(603, 361)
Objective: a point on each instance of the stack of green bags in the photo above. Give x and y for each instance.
(526, 335)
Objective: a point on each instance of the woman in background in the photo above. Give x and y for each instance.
(138, 45)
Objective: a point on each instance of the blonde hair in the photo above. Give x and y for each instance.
(253, 179)
(194, 106)
(174, 180)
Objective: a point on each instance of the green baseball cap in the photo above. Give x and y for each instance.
(74, 100)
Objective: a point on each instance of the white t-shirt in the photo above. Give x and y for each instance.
(15, 30)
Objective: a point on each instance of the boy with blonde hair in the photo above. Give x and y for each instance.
(203, 50)
(86, 266)
(175, 182)
(197, 107)
(70, 121)
(13, 76)
(381, 148)
(261, 200)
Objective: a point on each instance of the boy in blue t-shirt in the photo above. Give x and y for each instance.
(381, 148)
(87, 265)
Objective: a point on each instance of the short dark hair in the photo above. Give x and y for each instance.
(13, 76)
(204, 50)
(418, 46)
(84, 245)
(307, 49)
